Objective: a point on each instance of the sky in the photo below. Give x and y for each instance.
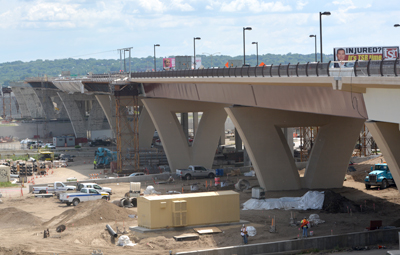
(57, 29)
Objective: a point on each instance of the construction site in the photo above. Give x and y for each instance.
(154, 204)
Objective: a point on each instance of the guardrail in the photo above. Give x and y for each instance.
(357, 68)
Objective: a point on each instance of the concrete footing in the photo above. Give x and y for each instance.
(359, 239)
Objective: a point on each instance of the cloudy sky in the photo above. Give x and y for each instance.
(53, 29)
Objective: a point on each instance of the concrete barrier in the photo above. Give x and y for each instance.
(140, 178)
(359, 239)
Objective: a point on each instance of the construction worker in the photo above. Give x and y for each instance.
(243, 233)
(95, 164)
(304, 226)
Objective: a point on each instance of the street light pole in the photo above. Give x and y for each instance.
(155, 66)
(211, 56)
(315, 36)
(396, 25)
(320, 29)
(194, 50)
(244, 43)
(256, 43)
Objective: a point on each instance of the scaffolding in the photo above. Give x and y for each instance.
(127, 127)
(366, 145)
(307, 140)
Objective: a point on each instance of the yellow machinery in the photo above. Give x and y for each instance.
(46, 155)
(189, 209)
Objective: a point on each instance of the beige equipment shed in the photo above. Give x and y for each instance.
(190, 209)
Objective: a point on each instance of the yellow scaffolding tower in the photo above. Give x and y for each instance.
(127, 127)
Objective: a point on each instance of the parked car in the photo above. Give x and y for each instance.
(51, 188)
(136, 174)
(82, 196)
(93, 185)
(195, 171)
(67, 157)
(49, 146)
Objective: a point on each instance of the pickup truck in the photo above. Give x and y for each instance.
(56, 187)
(195, 171)
(93, 186)
(82, 196)
(379, 176)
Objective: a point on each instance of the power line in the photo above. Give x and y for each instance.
(92, 53)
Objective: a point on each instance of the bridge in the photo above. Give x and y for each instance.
(261, 101)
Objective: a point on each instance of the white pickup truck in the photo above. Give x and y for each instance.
(93, 185)
(82, 196)
(52, 188)
(195, 172)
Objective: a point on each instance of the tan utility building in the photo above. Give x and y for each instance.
(188, 209)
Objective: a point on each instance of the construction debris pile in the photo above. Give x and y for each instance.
(88, 213)
(335, 203)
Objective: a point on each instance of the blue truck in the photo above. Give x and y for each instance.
(379, 176)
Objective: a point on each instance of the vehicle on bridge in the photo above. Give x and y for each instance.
(195, 172)
(379, 176)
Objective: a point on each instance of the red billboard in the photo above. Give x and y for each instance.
(365, 53)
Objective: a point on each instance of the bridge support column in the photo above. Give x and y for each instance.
(32, 102)
(387, 137)
(195, 122)
(185, 124)
(96, 117)
(268, 149)
(107, 103)
(146, 129)
(62, 112)
(21, 102)
(331, 153)
(75, 113)
(46, 102)
(179, 153)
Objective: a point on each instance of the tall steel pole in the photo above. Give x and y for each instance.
(315, 37)
(194, 51)
(320, 31)
(244, 43)
(155, 66)
(256, 43)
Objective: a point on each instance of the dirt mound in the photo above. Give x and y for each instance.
(395, 223)
(363, 168)
(13, 217)
(335, 203)
(89, 213)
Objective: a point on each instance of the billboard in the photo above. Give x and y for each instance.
(168, 63)
(365, 53)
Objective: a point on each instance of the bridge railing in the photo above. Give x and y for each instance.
(310, 69)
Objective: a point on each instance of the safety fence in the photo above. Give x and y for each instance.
(314, 69)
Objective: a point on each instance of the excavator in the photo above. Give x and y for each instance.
(103, 157)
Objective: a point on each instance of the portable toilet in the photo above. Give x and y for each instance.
(70, 140)
(59, 141)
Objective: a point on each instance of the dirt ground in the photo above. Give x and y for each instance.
(23, 219)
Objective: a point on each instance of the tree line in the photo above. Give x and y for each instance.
(19, 70)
